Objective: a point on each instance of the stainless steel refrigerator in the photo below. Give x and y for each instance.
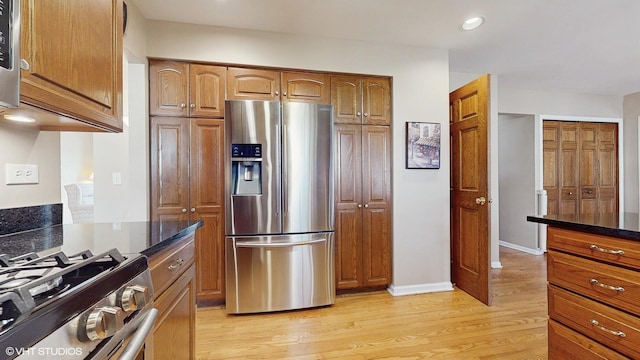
(279, 206)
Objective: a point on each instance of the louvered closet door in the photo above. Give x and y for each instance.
(580, 167)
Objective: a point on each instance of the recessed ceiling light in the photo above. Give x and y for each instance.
(472, 23)
(19, 118)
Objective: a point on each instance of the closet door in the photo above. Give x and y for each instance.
(580, 167)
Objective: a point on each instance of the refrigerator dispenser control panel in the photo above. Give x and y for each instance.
(246, 150)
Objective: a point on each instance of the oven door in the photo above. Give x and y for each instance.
(136, 339)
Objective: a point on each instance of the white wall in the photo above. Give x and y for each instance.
(516, 152)
(26, 145)
(631, 106)
(420, 86)
(76, 164)
(515, 101)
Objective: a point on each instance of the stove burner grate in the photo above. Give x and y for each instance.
(29, 282)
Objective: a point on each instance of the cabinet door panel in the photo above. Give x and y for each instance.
(346, 98)
(306, 87)
(168, 88)
(376, 245)
(174, 331)
(74, 52)
(376, 185)
(207, 85)
(348, 150)
(376, 165)
(252, 84)
(169, 168)
(207, 199)
(348, 247)
(376, 99)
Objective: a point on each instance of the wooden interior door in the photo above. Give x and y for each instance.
(470, 245)
(580, 167)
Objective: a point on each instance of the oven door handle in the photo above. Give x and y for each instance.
(137, 341)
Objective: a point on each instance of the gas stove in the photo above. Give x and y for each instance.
(80, 306)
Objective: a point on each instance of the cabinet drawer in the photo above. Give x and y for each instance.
(605, 248)
(609, 284)
(170, 265)
(566, 344)
(596, 321)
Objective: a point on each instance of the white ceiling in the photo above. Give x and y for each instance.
(582, 46)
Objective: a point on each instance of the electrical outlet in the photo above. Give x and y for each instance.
(21, 174)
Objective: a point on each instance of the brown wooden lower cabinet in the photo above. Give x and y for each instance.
(363, 206)
(173, 275)
(594, 286)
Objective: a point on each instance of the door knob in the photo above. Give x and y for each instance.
(481, 200)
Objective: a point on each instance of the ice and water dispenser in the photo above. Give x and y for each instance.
(246, 169)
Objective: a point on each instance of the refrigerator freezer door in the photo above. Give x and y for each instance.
(252, 132)
(274, 273)
(307, 175)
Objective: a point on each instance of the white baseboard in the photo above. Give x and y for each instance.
(496, 265)
(521, 248)
(419, 289)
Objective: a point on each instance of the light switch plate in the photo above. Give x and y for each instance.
(21, 174)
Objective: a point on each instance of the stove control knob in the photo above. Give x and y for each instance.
(134, 297)
(103, 322)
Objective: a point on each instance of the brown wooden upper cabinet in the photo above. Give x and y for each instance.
(255, 84)
(361, 100)
(72, 60)
(186, 90)
(306, 87)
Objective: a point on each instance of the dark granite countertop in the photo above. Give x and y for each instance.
(146, 237)
(621, 225)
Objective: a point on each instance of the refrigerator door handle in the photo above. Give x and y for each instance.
(285, 171)
(279, 188)
(250, 244)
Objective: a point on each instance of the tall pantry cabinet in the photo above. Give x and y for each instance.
(187, 163)
(362, 107)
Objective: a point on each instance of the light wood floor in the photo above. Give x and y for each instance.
(446, 325)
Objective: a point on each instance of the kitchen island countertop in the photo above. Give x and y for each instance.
(622, 225)
(145, 237)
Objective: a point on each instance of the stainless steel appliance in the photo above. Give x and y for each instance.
(75, 307)
(279, 206)
(9, 53)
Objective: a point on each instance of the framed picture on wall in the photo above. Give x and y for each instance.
(423, 145)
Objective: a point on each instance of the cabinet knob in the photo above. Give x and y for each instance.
(277, 93)
(366, 114)
(193, 106)
(359, 113)
(359, 206)
(366, 206)
(184, 211)
(183, 105)
(193, 210)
